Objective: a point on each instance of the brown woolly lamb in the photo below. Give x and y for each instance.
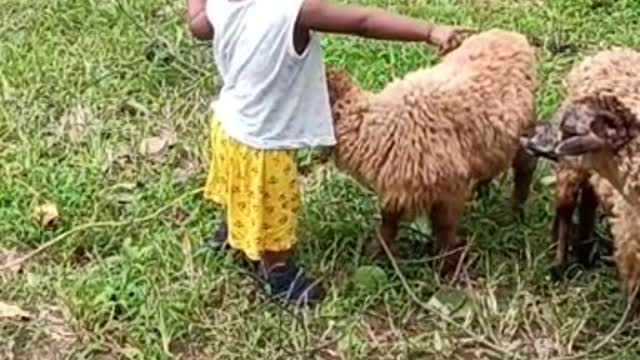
(424, 141)
(597, 128)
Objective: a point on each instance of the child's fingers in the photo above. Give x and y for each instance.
(466, 30)
(447, 48)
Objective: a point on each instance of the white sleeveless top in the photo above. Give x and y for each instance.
(271, 98)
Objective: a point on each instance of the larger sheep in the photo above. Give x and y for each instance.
(596, 128)
(425, 140)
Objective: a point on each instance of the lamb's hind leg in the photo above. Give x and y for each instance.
(387, 232)
(626, 255)
(445, 220)
(585, 242)
(524, 166)
(632, 296)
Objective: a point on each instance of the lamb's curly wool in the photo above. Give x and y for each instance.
(595, 131)
(423, 141)
(625, 229)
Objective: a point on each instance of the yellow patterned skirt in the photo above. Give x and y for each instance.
(258, 190)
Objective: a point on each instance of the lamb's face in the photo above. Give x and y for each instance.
(590, 128)
(583, 128)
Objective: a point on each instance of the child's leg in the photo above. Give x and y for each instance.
(272, 221)
(287, 281)
(216, 187)
(218, 239)
(259, 192)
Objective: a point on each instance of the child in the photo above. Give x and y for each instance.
(274, 100)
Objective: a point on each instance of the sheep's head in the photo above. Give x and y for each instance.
(584, 127)
(339, 84)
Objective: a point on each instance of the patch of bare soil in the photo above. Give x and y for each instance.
(45, 335)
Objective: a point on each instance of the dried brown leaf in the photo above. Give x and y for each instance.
(46, 214)
(9, 311)
(154, 145)
(157, 145)
(169, 135)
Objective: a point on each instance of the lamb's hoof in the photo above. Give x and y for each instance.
(633, 316)
(446, 271)
(596, 256)
(604, 252)
(450, 263)
(374, 250)
(557, 272)
(572, 270)
(517, 211)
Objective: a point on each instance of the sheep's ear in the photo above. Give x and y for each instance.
(604, 130)
(616, 127)
(609, 123)
(579, 145)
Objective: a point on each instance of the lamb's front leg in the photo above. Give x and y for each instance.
(524, 166)
(587, 219)
(569, 183)
(561, 236)
(445, 220)
(387, 231)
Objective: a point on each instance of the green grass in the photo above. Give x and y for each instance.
(83, 83)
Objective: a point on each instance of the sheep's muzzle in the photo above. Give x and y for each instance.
(542, 141)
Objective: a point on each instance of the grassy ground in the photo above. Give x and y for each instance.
(104, 116)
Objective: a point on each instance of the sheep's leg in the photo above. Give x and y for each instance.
(628, 269)
(445, 220)
(587, 220)
(633, 300)
(561, 237)
(388, 231)
(524, 166)
(634, 310)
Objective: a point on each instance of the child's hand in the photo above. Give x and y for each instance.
(448, 38)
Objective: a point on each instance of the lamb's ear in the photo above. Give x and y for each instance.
(588, 133)
(614, 123)
(607, 123)
(579, 145)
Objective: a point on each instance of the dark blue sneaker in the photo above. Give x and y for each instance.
(289, 283)
(219, 238)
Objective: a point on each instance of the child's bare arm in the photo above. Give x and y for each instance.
(323, 16)
(197, 18)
